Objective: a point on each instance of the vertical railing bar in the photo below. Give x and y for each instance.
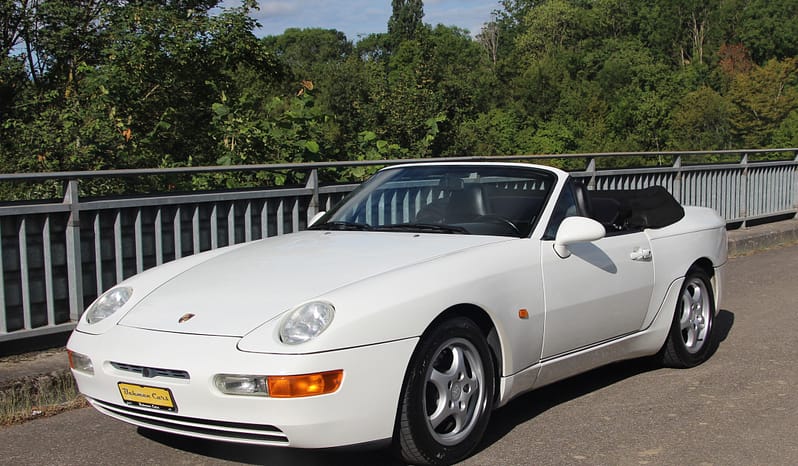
(214, 226)
(264, 220)
(280, 217)
(369, 206)
(177, 228)
(394, 207)
(3, 322)
(195, 230)
(406, 217)
(231, 224)
(295, 215)
(138, 242)
(158, 236)
(22, 237)
(784, 203)
(248, 222)
(724, 193)
(381, 209)
(771, 184)
(98, 254)
(118, 253)
(48, 271)
(754, 189)
(773, 191)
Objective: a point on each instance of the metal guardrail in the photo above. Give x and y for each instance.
(57, 256)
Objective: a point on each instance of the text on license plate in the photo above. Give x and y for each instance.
(148, 397)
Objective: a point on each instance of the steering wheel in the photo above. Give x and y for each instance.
(498, 219)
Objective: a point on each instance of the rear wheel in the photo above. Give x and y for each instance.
(447, 395)
(689, 341)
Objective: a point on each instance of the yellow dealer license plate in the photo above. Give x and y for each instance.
(148, 397)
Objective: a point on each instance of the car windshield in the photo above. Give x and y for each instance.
(451, 199)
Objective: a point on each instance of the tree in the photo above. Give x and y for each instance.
(308, 51)
(769, 28)
(406, 22)
(701, 121)
(488, 37)
(550, 26)
(762, 99)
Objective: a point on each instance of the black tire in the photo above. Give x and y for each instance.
(451, 366)
(689, 341)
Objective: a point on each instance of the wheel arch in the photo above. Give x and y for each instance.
(705, 265)
(486, 327)
(485, 323)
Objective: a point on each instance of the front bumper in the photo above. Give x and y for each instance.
(362, 410)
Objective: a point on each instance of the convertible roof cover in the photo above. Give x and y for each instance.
(652, 207)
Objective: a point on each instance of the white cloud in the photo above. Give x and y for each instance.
(269, 9)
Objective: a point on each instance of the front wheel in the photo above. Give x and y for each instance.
(689, 341)
(448, 395)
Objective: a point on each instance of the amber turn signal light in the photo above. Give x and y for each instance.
(80, 362)
(296, 386)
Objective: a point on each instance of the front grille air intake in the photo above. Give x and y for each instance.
(150, 372)
(255, 434)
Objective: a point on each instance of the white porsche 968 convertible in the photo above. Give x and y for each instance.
(430, 296)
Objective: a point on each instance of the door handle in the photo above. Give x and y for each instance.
(640, 254)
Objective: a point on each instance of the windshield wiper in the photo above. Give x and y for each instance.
(341, 225)
(422, 228)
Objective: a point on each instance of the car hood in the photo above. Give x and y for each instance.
(234, 292)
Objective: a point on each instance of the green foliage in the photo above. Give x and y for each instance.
(97, 84)
(405, 22)
(762, 100)
(701, 121)
(769, 28)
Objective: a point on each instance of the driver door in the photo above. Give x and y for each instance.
(600, 292)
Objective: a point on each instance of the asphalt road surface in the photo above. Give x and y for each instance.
(739, 408)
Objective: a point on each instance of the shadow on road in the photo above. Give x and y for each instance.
(503, 421)
(724, 321)
(273, 456)
(528, 406)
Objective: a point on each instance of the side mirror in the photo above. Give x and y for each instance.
(316, 218)
(577, 230)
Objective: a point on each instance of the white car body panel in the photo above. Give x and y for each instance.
(609, 298)
(313, 422)
(324, 261)
(551, 318)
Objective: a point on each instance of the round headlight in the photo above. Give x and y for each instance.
(306, 322)
(108, 303)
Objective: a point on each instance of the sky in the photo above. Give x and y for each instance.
(362, 17)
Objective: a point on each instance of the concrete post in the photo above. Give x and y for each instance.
(591, 168)
(678, 189)
(313, 183)
(744, 191)
(73, 256)
(795, 185)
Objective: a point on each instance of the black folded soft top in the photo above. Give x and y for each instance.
(652, 207)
